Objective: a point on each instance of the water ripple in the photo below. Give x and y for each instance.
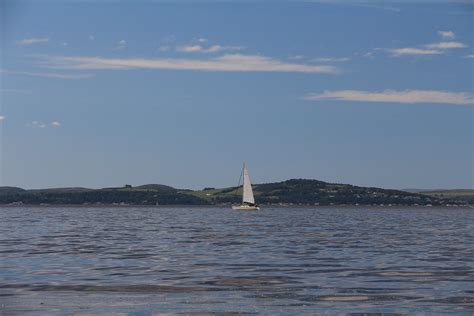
(141, 261)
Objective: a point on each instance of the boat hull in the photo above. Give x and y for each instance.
(245, 208)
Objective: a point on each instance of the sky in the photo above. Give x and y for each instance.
(107, 93)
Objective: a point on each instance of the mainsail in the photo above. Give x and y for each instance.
(248, 194)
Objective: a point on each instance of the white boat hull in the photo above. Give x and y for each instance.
(245, 208)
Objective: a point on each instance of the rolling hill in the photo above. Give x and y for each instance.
(290, 192)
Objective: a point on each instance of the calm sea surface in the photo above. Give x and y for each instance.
(148, 261)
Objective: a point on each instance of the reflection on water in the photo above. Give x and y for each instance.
(147, 261)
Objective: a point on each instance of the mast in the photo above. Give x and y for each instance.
(243, 183)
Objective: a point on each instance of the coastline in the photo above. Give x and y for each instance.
(225, 206)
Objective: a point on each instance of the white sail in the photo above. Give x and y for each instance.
(248, 193)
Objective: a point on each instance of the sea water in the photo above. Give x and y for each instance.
(190, 260)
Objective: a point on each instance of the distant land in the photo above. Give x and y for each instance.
(290, 192)
(466, 195)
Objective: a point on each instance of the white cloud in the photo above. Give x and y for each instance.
(445, 45)
(469, 56)
(219, 48)
(122, 44)
(210, 49)
(53, 75)
(332, 59)
(393, 96)
(31, 41)
(368, 55)
(91, 37)
(2, 118)
(413, 51)
(37, 124)
(190, 49)
(369, 4)
(446, 34)
(429, 49)
(228, 63)
(296, 57)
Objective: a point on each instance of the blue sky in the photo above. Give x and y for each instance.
(104, 93)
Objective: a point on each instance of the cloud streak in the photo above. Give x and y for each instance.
(446, 34)
(37, 124)
(296, 57)
(225, 63)
(2, 118)
(31, 41)
(332, 59)
(413, 51)
(445, 45)
(210, 49)
(429, 49)
(394, 96)
(53, 75)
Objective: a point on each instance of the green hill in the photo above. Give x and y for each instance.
(10, 190)
(62, 190)
(311, 192)
(155, 187)
(466, 195)
(290, 192)
(143, 195)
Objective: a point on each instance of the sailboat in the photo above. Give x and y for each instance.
(248, 201)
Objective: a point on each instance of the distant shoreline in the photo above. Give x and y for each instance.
(289, 193)
(226, 206)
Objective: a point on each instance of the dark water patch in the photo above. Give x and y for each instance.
(230, 243)
(403, 281)
(373, 290)
(361, 298)
(136, 256)
(417, 274)
(106, 268)
(48, 252)
(220, 313)
(375, 314)
(12, 251)
(250, 281)
(205, 302)
(457, 300)
(284, 295)
(144, 288)
(13, 241)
